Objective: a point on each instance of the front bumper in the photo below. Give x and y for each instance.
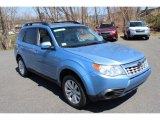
(139, 34)
(110, 36)
(119, 87)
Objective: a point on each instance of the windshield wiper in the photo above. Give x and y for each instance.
(86, 44)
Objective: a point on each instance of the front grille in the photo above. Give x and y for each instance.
(140, 31)
(140, 66)
(105, 33)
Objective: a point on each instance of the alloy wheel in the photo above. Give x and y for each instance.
(72, 92)
(21, 67)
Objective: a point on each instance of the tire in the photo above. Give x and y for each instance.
(124, 36)
(127, 37)
(22, 68)
(146, 38)
(74, 92)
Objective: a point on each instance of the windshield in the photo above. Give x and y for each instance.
(106, 25)
(137, 24)
(76, 36)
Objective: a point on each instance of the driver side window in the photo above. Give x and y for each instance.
(44, 36)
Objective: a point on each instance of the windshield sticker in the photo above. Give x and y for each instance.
(61, 29)
(64, 44)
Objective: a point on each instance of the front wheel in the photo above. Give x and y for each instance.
(22, 68)
(127, 37)
(146, 38)
(73, 92)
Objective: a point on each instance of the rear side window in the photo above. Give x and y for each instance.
(31, 36)
(21, 35)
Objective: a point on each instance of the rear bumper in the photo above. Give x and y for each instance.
(132, 84)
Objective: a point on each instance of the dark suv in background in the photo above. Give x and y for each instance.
(108, 30)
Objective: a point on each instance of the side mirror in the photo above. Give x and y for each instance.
(46, 45)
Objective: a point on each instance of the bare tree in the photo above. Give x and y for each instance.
(137, 15)
(126, 14)
(40, 14)
(12, 15)
(72, 14)
(52, 13)
(96, 15)
(84, 15)
(109, 14)
(4, 37)
(65, 11)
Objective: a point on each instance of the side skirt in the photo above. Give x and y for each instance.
(44, 76)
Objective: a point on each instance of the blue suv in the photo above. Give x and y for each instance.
(75, 57)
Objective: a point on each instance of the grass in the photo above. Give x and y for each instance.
(12, 38)
(155, 33)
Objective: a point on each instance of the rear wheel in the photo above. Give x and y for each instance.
(73, 92)
(22, 68)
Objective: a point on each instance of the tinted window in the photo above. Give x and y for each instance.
(44, 35)
(106, 25)
(21, 35)
(31, 36)
(76, 36)
(137, 24)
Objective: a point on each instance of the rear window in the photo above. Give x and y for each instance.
(31, 36)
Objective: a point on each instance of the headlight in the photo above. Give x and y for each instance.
(131, 30)
(109, 70)
(148, 29)
(146, 63)
(113, 32)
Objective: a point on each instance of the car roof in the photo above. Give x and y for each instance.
(57, 25)
(52, 25)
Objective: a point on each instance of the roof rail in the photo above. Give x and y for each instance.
(30, 24)
(75, 22)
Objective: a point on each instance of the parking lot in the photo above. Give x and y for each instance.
(37, 95)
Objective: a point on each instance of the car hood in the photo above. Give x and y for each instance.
(138, 28)
(108, 53)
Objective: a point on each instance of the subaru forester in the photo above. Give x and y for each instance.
(75, 57)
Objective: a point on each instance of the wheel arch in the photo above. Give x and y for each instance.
(18, 56)
(78, 71)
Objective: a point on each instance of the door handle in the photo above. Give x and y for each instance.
(22, 47)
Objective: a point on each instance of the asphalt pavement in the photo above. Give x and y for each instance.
(37, 95)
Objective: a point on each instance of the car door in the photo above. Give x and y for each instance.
(46, 60)
(27, 47)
